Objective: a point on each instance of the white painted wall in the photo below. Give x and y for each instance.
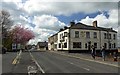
(66, 40)
(82, 38)
(106, 40)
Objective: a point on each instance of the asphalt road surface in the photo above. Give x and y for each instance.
(49, 62)
(55, 63)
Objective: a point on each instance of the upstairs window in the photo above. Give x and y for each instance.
(76, 34)
(87, 34)
(65, 34)
(95, 34)
(105, 36)
(114, 36)
(109, 36)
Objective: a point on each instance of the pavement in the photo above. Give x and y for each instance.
(109, 60)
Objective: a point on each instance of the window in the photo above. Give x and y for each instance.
(59, 45)
(105, 45)
(105, 36)
(76, 44)
(55, 45)
(65, 34)
(109, 36)
(87, 34)
(95, 34)
(114, 36)
(65, 45)
(60, 36)
(85, 45)
(109, 45)
(76, 34)
(95, 44)
(114, 45)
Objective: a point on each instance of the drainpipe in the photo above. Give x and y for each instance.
(69, 40)
(100, 38)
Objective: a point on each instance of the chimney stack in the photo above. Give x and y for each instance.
(65, 27)
(61, 29)
(95, 23)
(72, 23)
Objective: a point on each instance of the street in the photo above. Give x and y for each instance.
(50, 62)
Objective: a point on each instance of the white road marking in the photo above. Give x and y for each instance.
(88, 59)
(71, 63)
(37, 63)
(79, 66)
(86, 69)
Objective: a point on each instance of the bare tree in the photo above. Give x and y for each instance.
(5, 25)
(5, 20)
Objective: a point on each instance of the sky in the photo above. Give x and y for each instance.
(46, 17)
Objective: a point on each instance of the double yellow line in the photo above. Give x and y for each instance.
(16, 60)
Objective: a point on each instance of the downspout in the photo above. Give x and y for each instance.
(100, 38)
(69, 40)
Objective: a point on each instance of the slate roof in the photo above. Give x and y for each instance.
(42, 44)
(88, 27)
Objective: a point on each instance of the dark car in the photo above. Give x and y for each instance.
(4, 50)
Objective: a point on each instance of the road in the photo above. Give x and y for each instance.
(55, 63)
(50, 62)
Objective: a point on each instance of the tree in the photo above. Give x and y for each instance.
(5, 20)
(21, 35)
(5, 24)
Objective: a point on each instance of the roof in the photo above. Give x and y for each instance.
(88, 27)
(42, 44)
(53, 35)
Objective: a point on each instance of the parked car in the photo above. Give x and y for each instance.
(4, 50)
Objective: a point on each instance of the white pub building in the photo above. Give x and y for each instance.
(79, 37)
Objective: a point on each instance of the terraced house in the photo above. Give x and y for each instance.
(80, 37)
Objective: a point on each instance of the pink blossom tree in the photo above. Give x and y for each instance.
(21, 35)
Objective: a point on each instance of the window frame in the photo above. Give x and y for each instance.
(77, 34)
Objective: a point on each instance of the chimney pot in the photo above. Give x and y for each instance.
(95, 23)
(72, 23)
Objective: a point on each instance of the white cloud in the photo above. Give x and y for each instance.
(66, 8)
(48, 22)
(103, 21)
(46, 25)
(41, 35)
